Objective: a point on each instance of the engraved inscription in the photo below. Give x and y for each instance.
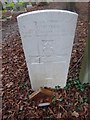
(42, 59)
(47, 48)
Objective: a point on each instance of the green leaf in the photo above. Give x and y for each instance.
(61, 99)
(81, 101)
(78, 108)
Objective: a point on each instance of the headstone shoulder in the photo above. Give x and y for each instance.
(47, 10)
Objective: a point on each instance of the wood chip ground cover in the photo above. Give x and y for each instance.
(70, 103)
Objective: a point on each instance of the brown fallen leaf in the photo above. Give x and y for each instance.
(59, 115)
(76, 114)
(0, 114)
(52, 112)
(44, 91)
(9, 84)
(64, 115)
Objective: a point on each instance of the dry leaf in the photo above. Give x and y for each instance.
(59, 115)
(75, 114)
(9, 84)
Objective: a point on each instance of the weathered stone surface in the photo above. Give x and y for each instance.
(47, 38)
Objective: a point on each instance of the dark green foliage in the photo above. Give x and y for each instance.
(25, 4)
(9, 8)
(77, 84)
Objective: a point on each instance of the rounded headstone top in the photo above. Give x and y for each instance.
(48, 10)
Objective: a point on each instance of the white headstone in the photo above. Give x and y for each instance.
(29, 6)
(47, 38)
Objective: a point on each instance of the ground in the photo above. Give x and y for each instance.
(70, 103)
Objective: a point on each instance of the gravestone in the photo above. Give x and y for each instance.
(28, 8)
(47, 38)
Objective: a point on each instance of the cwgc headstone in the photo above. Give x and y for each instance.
(29, 6)
(47, 38)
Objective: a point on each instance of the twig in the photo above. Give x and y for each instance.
(71, 70)
(52, 112)
(63, 108)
